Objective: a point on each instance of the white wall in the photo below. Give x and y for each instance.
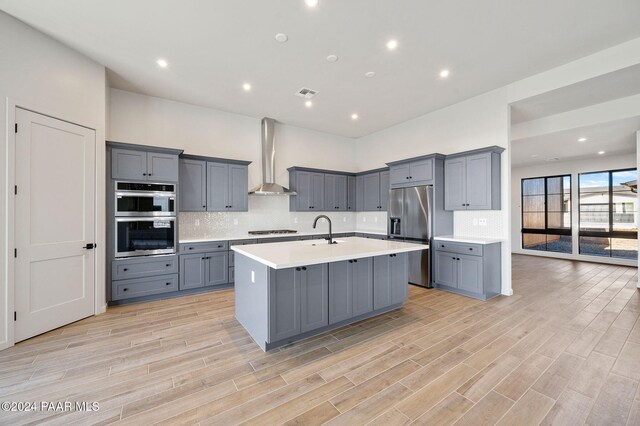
(557, 168)
(42, 75)
(475, 123)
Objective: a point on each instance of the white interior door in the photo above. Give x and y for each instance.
(55, 214)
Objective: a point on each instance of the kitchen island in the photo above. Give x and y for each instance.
(289, 291)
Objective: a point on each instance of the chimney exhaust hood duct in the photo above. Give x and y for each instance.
(268, 186)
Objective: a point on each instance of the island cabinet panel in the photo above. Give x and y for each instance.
(284, 304)
(314, 296)
(362, 282)
(390, 281)
(340, 291)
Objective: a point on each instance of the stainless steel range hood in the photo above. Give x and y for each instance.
(268, 186)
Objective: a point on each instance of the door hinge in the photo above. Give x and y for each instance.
(15, 316)
(16, 127)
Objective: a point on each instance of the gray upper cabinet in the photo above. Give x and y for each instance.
(472, 180)
(413, 172)
(375, 189)
(193, 185)
(310, 187)
(359, 193)
(214, 186)
(134, 164)
(335, 187)
(351, 194)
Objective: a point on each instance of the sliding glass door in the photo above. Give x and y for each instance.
(546, 214)
(608, 205)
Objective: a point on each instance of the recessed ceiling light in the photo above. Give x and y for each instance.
(246, 86)
(369, 74)
(444, 73)
(601, 152)
(582, 140)
(332, 58)
(162, 63)
(281, 37)
(311, 3)
(392, 44)
(308, 104)
(354, 116)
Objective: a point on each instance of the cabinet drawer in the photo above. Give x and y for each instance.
(462, 248)
(127, 289)
(208, 246)
(144, 267)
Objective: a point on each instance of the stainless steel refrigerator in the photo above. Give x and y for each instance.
(410, 220)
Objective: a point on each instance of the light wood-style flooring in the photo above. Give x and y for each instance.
(565, 349)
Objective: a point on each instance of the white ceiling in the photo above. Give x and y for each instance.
(615, 138)
(604, 88)
(214, 46)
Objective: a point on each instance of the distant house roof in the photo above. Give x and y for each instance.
(633, 184)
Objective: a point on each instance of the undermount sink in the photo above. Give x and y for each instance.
(320, 242)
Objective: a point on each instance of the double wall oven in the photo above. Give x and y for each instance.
(145, 219)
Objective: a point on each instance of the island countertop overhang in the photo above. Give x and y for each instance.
(311, 252)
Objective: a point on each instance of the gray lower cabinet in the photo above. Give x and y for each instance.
(472, 180)
(298, 301)
(203, 265)
(390, 280)
(143, 276)
(362, 282)
(140, 287)
(469, 269)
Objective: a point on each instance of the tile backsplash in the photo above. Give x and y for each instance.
(266, 212)
(479, 223)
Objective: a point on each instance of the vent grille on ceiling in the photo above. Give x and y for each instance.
(306, 93)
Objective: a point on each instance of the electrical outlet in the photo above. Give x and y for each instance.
(235, 221)
(295, 220)
(375, 220)
(475, 221)
(253, 277)
(197, 222)
(344, 219)
(482, 222)
(364, 218)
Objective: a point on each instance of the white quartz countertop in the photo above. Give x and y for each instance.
(472, 240)
(311, 252)
(246, 236)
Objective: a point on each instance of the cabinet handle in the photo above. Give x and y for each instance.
(304, 268)
(125, 289)
(125, 269)
(190, 248)
(458, 258)
(204, 207)
(144, 174)
(410, 177)
(168, 283)
(202, 258)
(148, 174)
(167, 265)
(220, 246)
(355, 260)
(297, 269)
(453, 258)
(351, 261)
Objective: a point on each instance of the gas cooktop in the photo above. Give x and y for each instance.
(273, 231)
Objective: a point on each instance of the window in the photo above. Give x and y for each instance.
(546, 214)
(608, 205)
